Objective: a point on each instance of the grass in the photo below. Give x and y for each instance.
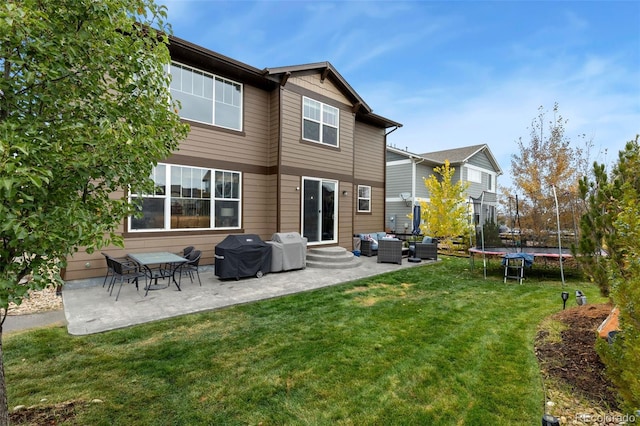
(435, 344)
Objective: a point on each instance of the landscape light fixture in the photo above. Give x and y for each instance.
(565, 297)
(549, 420)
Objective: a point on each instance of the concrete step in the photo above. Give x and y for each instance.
(331, 258)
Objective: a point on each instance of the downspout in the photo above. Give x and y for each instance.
(384, 194)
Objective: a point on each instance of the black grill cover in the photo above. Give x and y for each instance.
(242, 255)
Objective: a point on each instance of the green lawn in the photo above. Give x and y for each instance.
(430, 345)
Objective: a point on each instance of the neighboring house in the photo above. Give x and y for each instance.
(405, 184)
(270, 150)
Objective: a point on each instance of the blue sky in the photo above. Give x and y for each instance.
(454, 73)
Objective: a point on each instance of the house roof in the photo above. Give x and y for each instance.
(327, 70)
(192, 54)
(270, 78)
(455, 156)
(462, 155)
(413, 156)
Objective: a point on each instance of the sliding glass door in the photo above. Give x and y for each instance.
(319, 210)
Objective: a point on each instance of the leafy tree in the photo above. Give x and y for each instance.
(85, 113)
(620, 222)
(446, 215)
(548, 160)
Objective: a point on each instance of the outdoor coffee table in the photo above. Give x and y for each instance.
(159, 265)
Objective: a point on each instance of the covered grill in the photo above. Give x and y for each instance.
(289, 251)
(242, 255)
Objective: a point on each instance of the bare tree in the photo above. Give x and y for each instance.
(546, 161)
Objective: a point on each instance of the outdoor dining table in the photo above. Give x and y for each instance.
(159, 265)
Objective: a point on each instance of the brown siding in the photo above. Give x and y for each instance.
(273, 158)
(316, 158)
(274, 128)
(248, 148)
(314, 83)
(346, 205)
(259, 208)
(375, 221)
(290, 209)
(83, 265)
(369, 153)
(369, 166)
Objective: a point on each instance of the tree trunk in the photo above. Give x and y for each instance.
(4, 408)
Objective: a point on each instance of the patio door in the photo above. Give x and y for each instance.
(319, 210)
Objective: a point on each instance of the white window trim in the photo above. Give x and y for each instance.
(321, 123)
(336, 209)
(167, 202)
(363, 198)
(492, 175)
(213, 99)
(476, 172)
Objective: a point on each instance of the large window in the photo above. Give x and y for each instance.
(320, 122)
(190, 204)
(364, 198)
(206, 98)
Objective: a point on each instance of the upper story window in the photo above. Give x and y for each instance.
(188, 202)
(474, 175)
(320, 122)
(364, 198)
(206, 98)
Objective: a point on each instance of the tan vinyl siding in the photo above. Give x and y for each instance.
(314, 83)
(314, 157)
(369, 153)
(259, 217)
(274, 128)
(290, 210)
(373, 222)
(346, 207)
(84, 265)
(273, 158)
(258, 206)
(250, 148)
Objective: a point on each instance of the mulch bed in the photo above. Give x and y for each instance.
(574, 361)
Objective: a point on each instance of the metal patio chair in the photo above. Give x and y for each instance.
(125, 271)
(192, 265)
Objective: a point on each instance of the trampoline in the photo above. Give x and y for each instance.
(546, 252)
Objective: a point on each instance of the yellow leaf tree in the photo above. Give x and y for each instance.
(446, 214)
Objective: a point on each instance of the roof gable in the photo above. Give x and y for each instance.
(455, 155)
(463, 155)
(326, 71)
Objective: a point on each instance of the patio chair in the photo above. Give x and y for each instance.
(186, 251)
(125, 271)
(109, 273)
(390, 250)
(191, 265)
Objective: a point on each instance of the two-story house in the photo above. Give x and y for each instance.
(270, 150)
(405, 185)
